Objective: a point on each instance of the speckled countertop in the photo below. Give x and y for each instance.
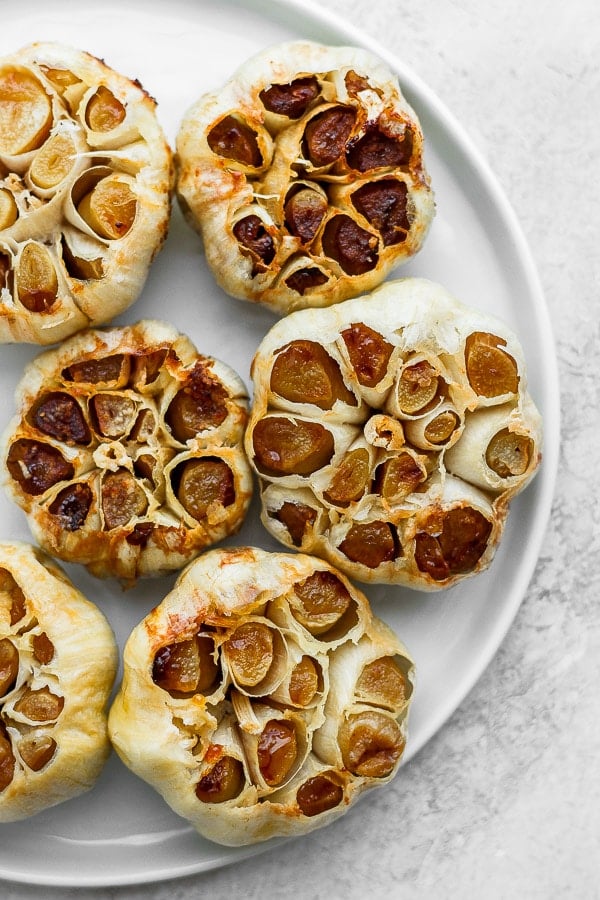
(504, 801)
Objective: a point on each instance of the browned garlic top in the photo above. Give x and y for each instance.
(85, 183)
(305, 176)
(390, 433)
(262, 696)
(126, 451)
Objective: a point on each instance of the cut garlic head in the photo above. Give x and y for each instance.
(58, 660)
(305, 176)
(85, 192)
(390, 433)
(303, 705)
(126, 451)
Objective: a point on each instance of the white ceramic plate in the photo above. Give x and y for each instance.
(122, 832)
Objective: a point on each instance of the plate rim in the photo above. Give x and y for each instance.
(302, 13)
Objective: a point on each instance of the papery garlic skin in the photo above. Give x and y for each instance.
(89, 187)
(126, 450)
(418, 431)
(304, 176)
(260, 757)
(66, 652)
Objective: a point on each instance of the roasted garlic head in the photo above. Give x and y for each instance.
(58, 660)
(262, 696)
(389, 434)
(85, 187)
(304, 176)
(126, 451)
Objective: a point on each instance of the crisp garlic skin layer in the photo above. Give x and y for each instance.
(390, 433)
(126, 450)
(262, 697)
(304, 176)
(86, 177)
(58, 661)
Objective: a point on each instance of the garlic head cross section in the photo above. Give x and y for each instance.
(390, 432)
(86, 178)
(305, 176)
(262, 697)
(126, 450)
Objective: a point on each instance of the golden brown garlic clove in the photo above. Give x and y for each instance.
(222, 782)
(303, 372)
(371, 744)
(25, 112)
(285, 446)
(36, 278)
(491, 371)
(104, 111)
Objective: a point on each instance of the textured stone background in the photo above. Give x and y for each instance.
(505, 800)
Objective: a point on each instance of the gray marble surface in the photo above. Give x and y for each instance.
(504, 801)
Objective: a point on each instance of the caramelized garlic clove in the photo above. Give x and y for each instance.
(71, 505)
(304, 210)
(36, 466)
(187, 667)
(399, 476)
(491, 371)
(384, 205)
(291, 446)
(110, 207)
(303, 372)
(104, 112)
(319, 794)
(13, 606)
(371, 744)
(9, 210)
(296, 521)
(452, 541)
(37, 751)
(40, 705)
(353, 248)
(110, 371)
(122, 498)
(370, 544)
(384, 682)
(58, 415)
(25, 112)
(351, 478)
(221, 781)
(256, 657)
(7, 759)
(418, 387)
(326, 135)
(204, 486)
(9, 666)
(236, 141)
(53, 162)
(499, 449)
(322, 604)
(275, 745)
(36, 278)
(305, 681)
(113, 415)
(441, 427)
